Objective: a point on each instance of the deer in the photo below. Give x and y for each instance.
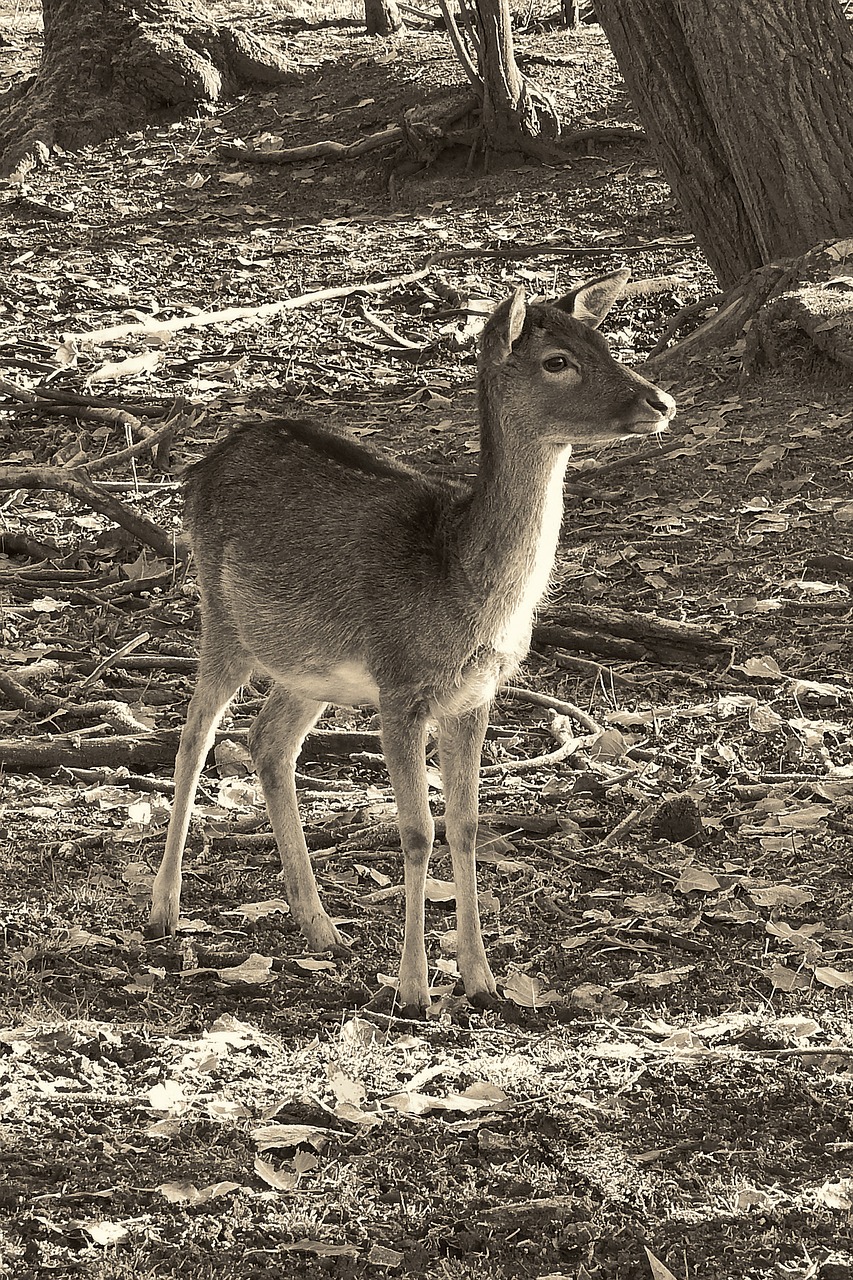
(347, 577)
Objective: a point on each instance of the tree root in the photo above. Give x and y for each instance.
(425, 133)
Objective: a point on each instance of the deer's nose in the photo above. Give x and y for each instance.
(660, 402)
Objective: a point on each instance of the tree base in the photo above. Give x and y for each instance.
(434, 134)
(796, 313)
(110, 70)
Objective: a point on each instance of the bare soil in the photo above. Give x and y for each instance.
(668, 1081)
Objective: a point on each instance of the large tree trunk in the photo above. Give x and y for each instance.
(747, 106)
(382, 17)
(517, 116)
(110, 65)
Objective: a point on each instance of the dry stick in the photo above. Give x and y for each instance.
(423, 14)
(569, 746)
(109, 460)
(379, 324)
(642, 455)
(586, 666)
(553, 704)
(149, 750)
(544, 249)
(251, 313)
(138, 662)
(109, 417)
(143, 529)
(680, 318)
(112, 659)
(17, 393)
(634, 818)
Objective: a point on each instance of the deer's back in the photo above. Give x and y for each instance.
(315, 552)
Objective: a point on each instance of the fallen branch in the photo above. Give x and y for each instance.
(263, 311)
(110, 710)
(152, 750)
(77, 486)
(553, 704)
(315, 150)
(560, 729)
(638, 636)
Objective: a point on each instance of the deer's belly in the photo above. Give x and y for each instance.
(346, 684)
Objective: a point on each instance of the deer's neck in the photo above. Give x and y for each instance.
(511, 531)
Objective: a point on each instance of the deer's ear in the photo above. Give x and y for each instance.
(505, 327)
(516, 317)
(591, 302)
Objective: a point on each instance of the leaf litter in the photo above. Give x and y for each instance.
(666, 1086)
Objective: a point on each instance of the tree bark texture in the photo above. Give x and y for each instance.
(517, 116)
(382, 17)
(748, 109)
(108, 66)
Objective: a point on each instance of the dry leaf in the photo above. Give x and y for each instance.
(254, 972)
(186, 1192)
(289, 1135)
(659, 1271)
(278, 1179)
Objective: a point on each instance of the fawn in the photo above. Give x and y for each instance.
(350, 578)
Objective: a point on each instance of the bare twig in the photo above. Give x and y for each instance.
(115, 713)
(634, 818)
(569, 746)
(114, 659)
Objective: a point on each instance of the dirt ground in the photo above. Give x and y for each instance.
(666, 1087)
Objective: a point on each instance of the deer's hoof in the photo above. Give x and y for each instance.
(158, 930)
(321, 935)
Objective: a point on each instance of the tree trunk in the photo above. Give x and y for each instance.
(748, 109)
(382, 17)
(517, 116)
(108, 66)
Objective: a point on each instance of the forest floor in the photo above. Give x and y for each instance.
(667, 1086)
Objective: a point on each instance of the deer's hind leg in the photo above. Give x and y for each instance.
(220, 675)
(275, 742)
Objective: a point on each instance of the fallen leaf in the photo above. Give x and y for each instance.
(289, 1135)
(527, 992)
(278, 1179)
(837, 1194)
(185, 1192)
(256, 971)
(101, 1232)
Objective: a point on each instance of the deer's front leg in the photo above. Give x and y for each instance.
(460, 742)
(404, 744)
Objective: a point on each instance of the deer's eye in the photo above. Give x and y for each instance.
(557, 364)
